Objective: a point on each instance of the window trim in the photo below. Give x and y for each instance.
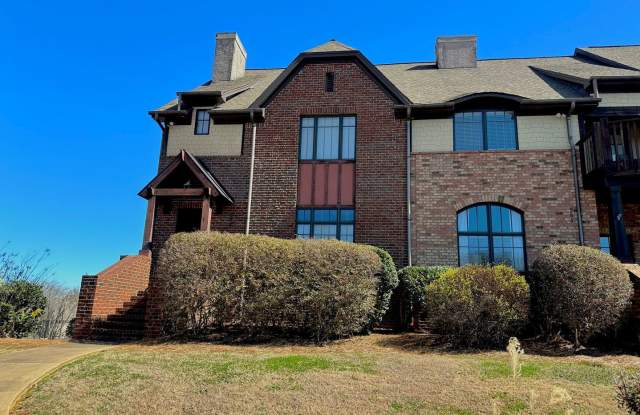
(490, 234)
(312, 222)
(195, 128)
(340, 138)
(485, 139)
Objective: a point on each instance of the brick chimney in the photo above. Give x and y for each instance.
(456, 52)
(230, 57)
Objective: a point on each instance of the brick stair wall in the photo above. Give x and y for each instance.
(112, 304)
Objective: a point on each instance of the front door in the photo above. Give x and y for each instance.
(188, 220)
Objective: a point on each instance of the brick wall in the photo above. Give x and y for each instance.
(540, 183)
(104, 294)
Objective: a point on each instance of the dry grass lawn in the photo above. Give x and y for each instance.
(382, 374)
(11, 345)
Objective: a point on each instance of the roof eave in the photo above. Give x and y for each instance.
(521, 106)
(235, 116)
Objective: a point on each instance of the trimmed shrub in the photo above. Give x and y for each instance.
(411, 289)
(22, 304)
(387, 282)
(478, 305)
(317, 289)
(579, 288)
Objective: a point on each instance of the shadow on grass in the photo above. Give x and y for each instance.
(425, 342)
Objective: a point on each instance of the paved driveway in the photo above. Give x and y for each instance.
(19, 369)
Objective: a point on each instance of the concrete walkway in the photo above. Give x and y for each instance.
(20, 369)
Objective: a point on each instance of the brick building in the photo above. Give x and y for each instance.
(455, 161)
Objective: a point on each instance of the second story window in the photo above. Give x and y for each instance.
(328, 138)
(202, 122)
(484, 130)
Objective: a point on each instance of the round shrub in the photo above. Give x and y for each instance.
(387, 282)
(256, 284)
(411, 289)
(478, 305)
(578, 288)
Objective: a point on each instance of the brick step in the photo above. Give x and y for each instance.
(135, 309)
(116, 325)
(133, 317)
(134, 304)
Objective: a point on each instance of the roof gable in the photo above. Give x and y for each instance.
(304, 57)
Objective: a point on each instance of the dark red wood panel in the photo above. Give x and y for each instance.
(346, 184)
(305, 184)
(326, 184)
(320, 185)
(333, 176)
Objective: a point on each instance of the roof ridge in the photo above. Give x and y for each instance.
(610, 46)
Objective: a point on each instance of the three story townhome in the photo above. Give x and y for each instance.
(457, 161)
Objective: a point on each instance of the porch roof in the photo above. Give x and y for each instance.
(208, 180)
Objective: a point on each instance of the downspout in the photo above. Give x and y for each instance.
(574, 167)
(409, 218)
(253, 159)
(247, 225)
(594, 86)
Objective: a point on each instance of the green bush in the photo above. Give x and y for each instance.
(628, 392)
(578, 288)
(412, 284)
(22, 303)
(387, 282)
(478, 305)
(318, 289)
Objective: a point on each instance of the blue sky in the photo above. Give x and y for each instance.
(78, 78)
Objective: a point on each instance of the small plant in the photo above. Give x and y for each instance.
(628, 394)
(515, 352)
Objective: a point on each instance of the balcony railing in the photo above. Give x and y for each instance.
(611, 146)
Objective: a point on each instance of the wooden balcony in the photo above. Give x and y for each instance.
(610, 149)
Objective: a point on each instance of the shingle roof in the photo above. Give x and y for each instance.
(257, 81)
(423, 83)
(626, 55)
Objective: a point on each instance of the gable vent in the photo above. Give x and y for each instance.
(329, 80)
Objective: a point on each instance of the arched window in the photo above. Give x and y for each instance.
(491, 233)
